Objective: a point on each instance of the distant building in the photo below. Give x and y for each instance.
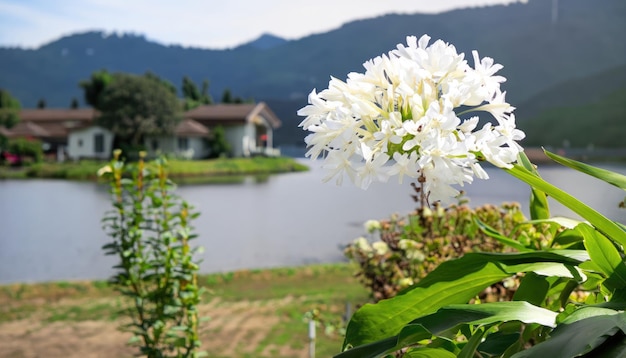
(249, 127)
(71, 132)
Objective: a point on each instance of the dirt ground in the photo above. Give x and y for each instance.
(235, 329)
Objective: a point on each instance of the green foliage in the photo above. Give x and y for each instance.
(151, 231)
(193, 97)
(569, 300)
(136, 106)
(9, 109)
(218, 144)
(158, 81)
(227, 97)
(411, 247)
(95, 86)
(28, 149)
(190, 90)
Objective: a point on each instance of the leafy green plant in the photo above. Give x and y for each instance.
(151, 231)
(220, 147)
(28, 149)
(570, 300)
(410, 247)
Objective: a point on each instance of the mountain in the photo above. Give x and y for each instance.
(536, 52)
(585, 112)
(266, 41)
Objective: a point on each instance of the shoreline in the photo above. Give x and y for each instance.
(211, 170)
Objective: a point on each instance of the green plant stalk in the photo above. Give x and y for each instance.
(151, 233)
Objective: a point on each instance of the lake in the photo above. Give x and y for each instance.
(51, 230)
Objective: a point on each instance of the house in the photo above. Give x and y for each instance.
(71, 132)
(64, 132)
(249, 127)
(190, 141)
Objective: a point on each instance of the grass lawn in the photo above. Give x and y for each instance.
(254, 313)
(215, 170)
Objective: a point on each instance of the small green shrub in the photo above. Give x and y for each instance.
(410, 247)
(28, 149)
(151, 232)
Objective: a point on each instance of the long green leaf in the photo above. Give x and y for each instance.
(410, 333)
(606, 257)
(608, 176)
(604, 225)
(425, 352)
(453, 282)
(539, 208)
(577, 338)
(452, 316)
(489, 231)
(486, 313)
(470, 348)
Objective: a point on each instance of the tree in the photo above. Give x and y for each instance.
(94, 87)
(134, 106)
(190, 90)
(9, 113)
(74, 103)
(193, 97)
(161, 81)
(205, 97)
(41, 104)
(218, 143)
(227, 97)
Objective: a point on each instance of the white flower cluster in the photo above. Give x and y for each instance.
(399, 118)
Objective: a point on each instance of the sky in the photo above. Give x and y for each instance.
(197, 23)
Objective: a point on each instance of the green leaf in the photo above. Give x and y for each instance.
(489, 231)
(533, 289)
(470, 348)
(487, 313)
(426, 352)
(615, 346)
(608, 176)
(410, 333)
(498, 342)
(577, 338)
(455, 281)
(605, 256)
(567, 237)
(452, 316)
(604, 225)
(588, 312)
(539, 208)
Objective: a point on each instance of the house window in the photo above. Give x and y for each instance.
(98, 143)
(154, 144)
(80, 142)
(183, 143)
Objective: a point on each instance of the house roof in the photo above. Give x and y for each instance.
(233, 113)
(59, 122)
(28, 129)
(57, 114)
(189, 127)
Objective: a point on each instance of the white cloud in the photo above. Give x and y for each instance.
(209, 24)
